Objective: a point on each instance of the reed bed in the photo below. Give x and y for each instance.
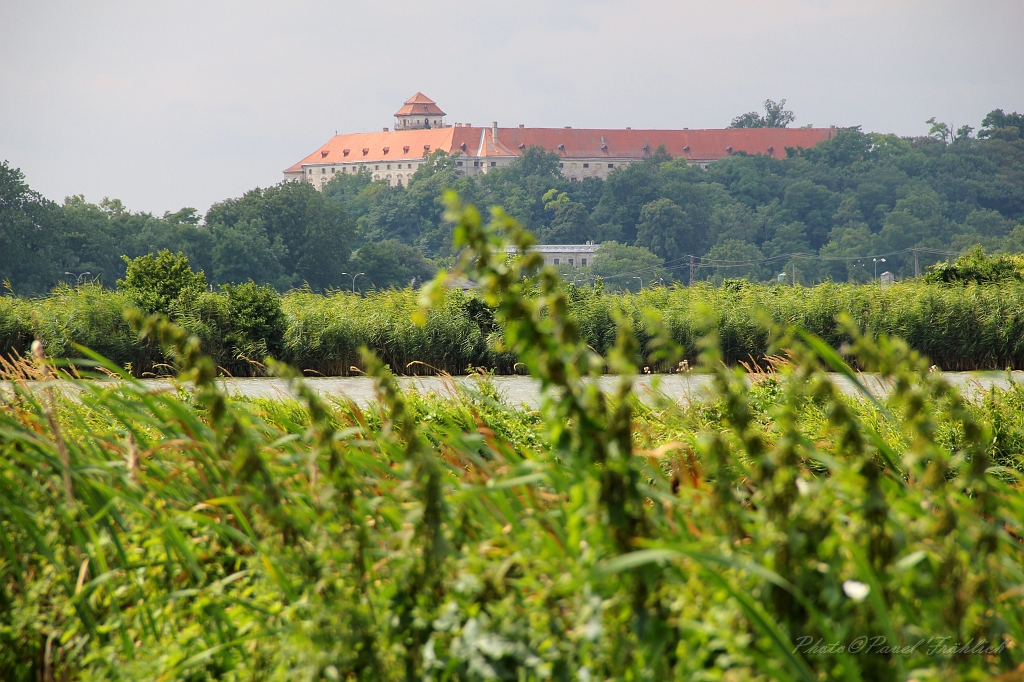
(958, 327)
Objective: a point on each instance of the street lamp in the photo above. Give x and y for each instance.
(641, 283)
(354, 279)
(79, 276)
(876, 262)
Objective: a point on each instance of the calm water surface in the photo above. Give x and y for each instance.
(519, 390)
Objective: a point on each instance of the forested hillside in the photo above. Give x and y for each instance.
(837, 205)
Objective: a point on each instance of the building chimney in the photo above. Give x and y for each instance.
(494, 132)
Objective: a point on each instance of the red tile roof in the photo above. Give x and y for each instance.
(419, 104)
(569, 143)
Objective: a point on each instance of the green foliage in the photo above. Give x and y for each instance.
(968, 327)
(257, 321)
(286, 234)
(775, 116)
(161, 284)
(974, 266)
(28, 227)
(188, 535)
(852, 196)
(390, 263)
(618, 264)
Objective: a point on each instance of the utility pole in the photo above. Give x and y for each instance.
(794, 272)
(917, 270)
(691, 270)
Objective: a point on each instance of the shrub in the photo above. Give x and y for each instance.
(974, 266)
(161, 283)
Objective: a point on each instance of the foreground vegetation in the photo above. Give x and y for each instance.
(775, 531)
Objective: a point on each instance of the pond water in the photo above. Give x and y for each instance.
(519, 390)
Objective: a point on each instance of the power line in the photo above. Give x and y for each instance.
(726, 264)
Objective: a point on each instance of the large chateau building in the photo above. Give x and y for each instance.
(584, 153)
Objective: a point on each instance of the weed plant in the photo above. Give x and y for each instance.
(775, 531)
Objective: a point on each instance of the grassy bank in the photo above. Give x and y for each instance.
(185, 535)
(957, 327)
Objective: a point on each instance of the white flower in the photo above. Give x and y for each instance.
(857, 591)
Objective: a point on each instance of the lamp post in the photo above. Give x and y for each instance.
(79, 276)
(641, 283)
(354, 279)
(876, 262)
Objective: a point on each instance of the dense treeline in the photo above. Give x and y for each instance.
(854, 196)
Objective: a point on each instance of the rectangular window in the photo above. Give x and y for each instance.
(583, 262)
(376, 168)
(561, 165)
(611, 165)
(458, 163)
(323, 171)
(556, 261)
(493, 164)
(586, 165)
(570, 261)
(333, 170)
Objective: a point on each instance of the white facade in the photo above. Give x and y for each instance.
(573, 255)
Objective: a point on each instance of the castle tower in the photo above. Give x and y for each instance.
(418, 112)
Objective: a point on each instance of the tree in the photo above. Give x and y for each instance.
(775, 116)
(571, 223)
(733, 259)
(664, 230)
(390, 263)
(626, 191)
(162, 283)
(939, 130)
(257, 321)
(618, 265)
(244, 251)
(813, 205)
(314, 229)
(846, 255)
(29, 235)
(999, 124)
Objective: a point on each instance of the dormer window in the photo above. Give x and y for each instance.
(561, 147)
(365, 151)
(728, 150)
(462, 146)
(686, 149)
(387, 149)
(344, 152)
(405, 149)
(522, 145)
(426, 147)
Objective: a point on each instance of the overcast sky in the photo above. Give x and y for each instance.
(174, 104)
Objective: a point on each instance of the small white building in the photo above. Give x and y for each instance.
(573, 255)
(886, 278)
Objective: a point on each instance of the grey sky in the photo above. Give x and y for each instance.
(166, 105)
